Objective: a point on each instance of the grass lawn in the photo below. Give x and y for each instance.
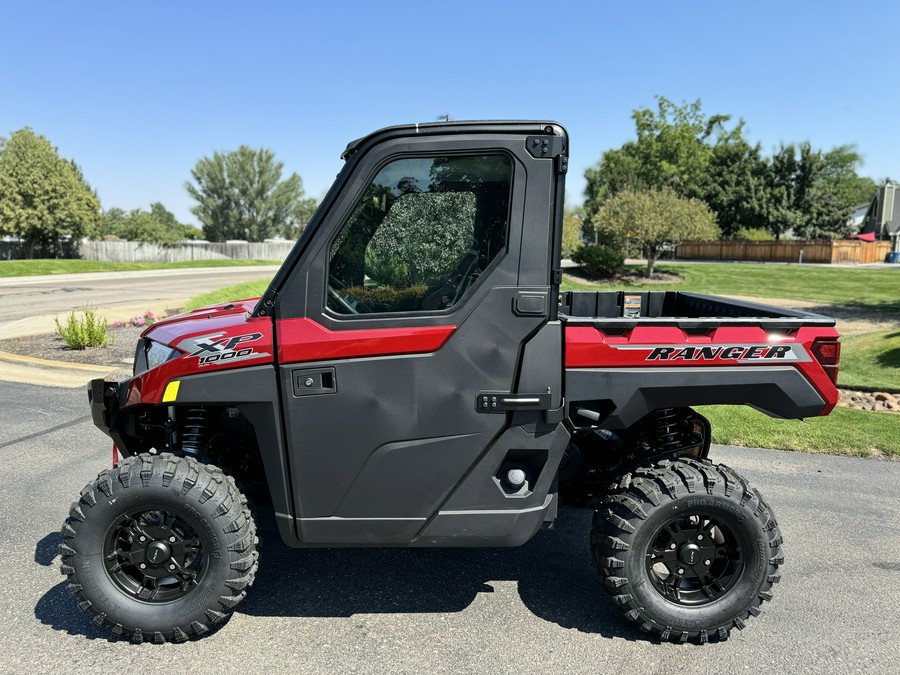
(247, 289)
(845, 431)
(871, 361)
(30, 268)
(877, 289)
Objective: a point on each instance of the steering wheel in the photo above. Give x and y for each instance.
(468, 274)
(343, 306)
(455, 285)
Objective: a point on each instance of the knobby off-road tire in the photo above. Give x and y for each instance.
(160, 548)
(687, 549)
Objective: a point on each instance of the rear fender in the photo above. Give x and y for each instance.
(779, 391)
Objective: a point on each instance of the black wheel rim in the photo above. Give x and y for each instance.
(694, 560)
(154, 555)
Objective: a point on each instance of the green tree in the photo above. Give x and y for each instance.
(653, 220)
(573, 220)
(736, 184)
(672, 151)
(800, 190)
(813, 193)
(168, 220)
(143, 226)
(158, 226)
(112, 224)
(240, 195)
(860, 189)
(292, 229)
(44, 199)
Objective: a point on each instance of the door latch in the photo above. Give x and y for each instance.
(311, 381)
(503, 401)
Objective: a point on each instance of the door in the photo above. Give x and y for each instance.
(400, 323)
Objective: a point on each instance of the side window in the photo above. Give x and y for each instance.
(423, 232)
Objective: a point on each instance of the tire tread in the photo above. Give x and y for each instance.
(238, 527)
(635, 497)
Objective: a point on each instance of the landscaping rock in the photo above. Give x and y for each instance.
(880, 401)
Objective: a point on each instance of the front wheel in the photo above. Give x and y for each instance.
(687, 549)
(160, 548)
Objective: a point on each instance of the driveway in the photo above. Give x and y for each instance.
(534, 609)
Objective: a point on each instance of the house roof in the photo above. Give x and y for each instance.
(883, 215)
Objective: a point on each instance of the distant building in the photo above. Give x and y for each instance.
(858, 217)
(883, 215)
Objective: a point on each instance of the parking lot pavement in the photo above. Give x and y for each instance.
(537, 608)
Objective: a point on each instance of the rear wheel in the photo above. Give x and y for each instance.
(687, 550)
(160, 548)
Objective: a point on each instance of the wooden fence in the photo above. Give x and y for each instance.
(818, 251)
(133, 251)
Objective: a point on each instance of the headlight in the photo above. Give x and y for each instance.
(150, 354)
(158, 353)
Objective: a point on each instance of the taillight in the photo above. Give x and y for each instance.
(828, 354)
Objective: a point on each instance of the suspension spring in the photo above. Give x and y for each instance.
(195, 433)
(668, 435)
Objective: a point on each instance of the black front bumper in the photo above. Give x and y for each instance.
(103, 397)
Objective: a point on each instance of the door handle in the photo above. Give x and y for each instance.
(312, 381)
(503, 401)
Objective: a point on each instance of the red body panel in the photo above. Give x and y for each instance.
(299, 340)
(226, 322)
(590, 347)
(200, 321)
(302, 340)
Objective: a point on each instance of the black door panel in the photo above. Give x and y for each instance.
(381, 443)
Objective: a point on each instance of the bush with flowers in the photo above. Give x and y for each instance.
(137, 321)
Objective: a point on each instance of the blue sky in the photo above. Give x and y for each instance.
(136, 93)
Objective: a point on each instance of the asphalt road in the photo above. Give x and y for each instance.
(23, 297)
(533, 609)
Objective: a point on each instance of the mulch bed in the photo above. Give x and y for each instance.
(623, 279)
(118, 354)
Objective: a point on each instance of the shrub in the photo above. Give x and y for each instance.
(145, 319)
(599, 260)
(753, 234)
(88, 330)
(388, 298)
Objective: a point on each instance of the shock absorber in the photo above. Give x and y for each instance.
(666, 425)
(195, 430)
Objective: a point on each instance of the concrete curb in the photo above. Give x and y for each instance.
(31, 370)
(33, 360)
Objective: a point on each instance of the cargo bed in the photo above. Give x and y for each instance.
(617, 311)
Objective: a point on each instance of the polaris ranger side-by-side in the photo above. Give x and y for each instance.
(412, 376)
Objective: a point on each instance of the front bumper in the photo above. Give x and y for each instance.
(103, 398)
